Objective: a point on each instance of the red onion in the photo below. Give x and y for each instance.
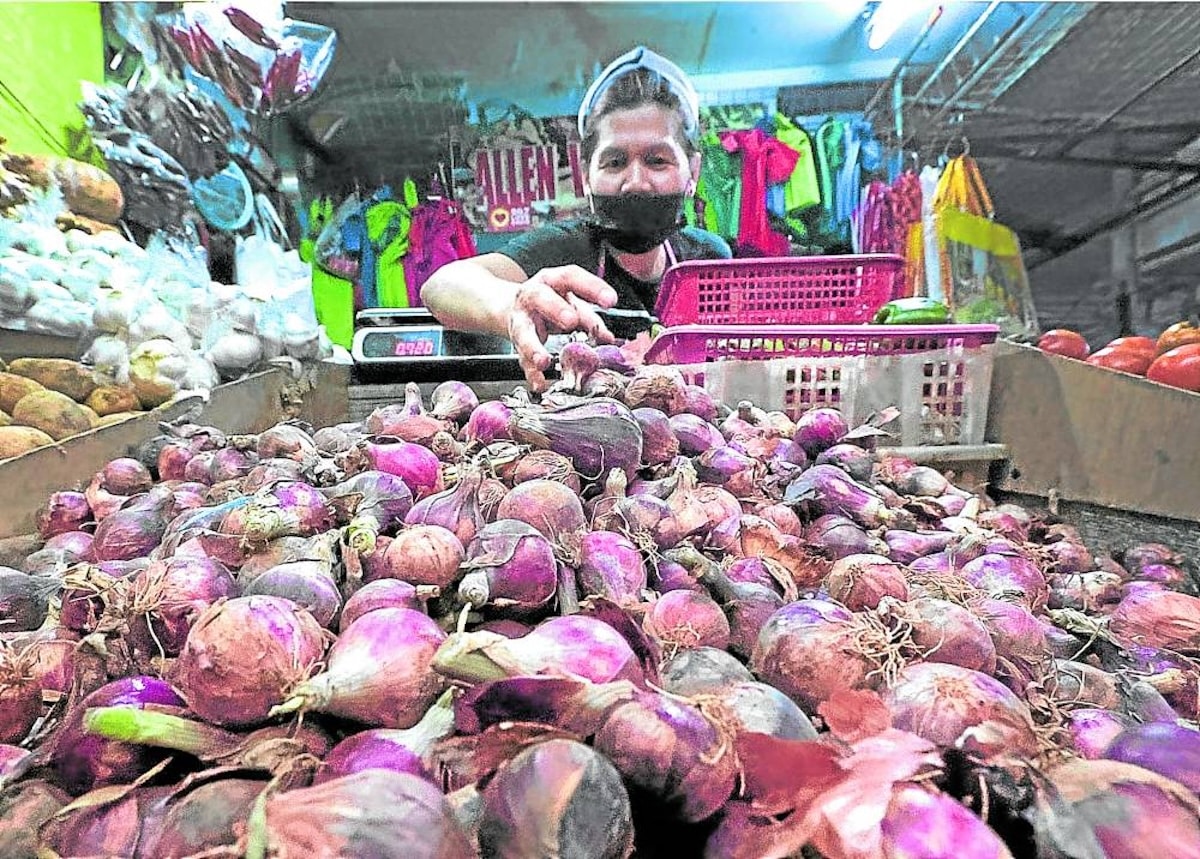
(199, 468)
(84, 761)
(285, 441)
(397, 750)
(603, 383)
(377, 672)
(576, 645)
(724, 466)
(614, 358)
(1089, 592)
(384, 593)
(172, 461)
(127, 533)
(243, 656)
(818, 429)
(659, 443)
(1167, 619)
(861, 581)
(1170, 750)
(370, 503)
(1140, 554)
(336, 439)
(415, 465)
(703, 671)
(828, 489)
(547, 465)
(20, 694)
(506, 627)
(747, 605)
(201, 817)
(922, 824)
(547, 505)
(1092, 730)
(59, 664)
(578, 361)
(946, 632)
(422, 555)
(672, 751)
(685, 619)
(62, 513)
(957, 707)
(1175, 578)
(851, 458)
(597, 435)
(456, 509)
(452, 401)
(904, 547)
(290, 509)
(670, 576)
(837, 536)
(1183, 692)
(512, 567)
(656, 387)
(14, 762)
(168, 596)
(1067, 556)
(76, 544)
(784, 518)
(611, 566)
(371, 813)
(1019, 636)
(555, 799)
(24, 599)
(1130, 811)
(1008, 520)
(271, 471)
(695, 434)
(309, 584)
(699, 402)
(399, 422)
(809, 650)
(51, 563)
(488, 423)
(1000, 575)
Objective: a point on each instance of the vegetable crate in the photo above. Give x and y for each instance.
(831, 290)
(939, 376)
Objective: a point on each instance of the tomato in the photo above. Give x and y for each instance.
(1179, 368)
(1124, 360)
(1065, 342)
(1178, 334)
(1137, 344)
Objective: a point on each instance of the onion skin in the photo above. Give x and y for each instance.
(946, 705)
(818, 429)
(659, 444)
(452, 401)
(946, 632)
(488, 423)
(762, 708)
(375, 813)
(556, 798)
(597, 435)
(512, 567)
(243, 655)
(20, 696)
(306, 583)
(201, 818)
(169, 597)
(904, 547)
(547, 465)
(837, 536)
(63, 512)
(378, 671)
(126, 534)
(997, 575)
(84, 761)
(695, 434)
(921, 824)
(24, 599)
(1167, 749)
(547, 505)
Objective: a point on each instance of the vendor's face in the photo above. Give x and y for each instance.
(638, 152)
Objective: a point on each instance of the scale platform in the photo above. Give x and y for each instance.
(409, 344)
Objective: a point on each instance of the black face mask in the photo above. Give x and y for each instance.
(636, 223)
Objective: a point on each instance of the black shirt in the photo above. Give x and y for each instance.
(577, 243)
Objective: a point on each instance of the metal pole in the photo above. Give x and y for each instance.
(898, 71)
(958, 46)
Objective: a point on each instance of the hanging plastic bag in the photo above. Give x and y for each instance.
(260, 259)
(339, 250)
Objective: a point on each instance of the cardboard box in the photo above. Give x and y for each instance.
(248, 405)
(1082, 433)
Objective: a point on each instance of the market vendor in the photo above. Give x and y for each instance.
(639, 126)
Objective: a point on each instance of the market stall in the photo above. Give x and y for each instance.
(847, 557)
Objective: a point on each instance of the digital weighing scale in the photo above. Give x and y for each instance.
(409, 344)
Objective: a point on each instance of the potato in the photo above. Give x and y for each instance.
(57, 374)
(15, 441)
(55, 414)
(117, 417)
(5, 419)
(13, 388)
(111, 399)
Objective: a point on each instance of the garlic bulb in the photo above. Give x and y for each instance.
(109, 356)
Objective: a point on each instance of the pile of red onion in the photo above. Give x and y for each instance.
(619, 620)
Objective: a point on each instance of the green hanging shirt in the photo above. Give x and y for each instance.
(721, 184)
(802, 189)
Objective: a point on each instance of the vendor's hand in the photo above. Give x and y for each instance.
(555, 301)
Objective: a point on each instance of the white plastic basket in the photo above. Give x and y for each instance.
(942, 394)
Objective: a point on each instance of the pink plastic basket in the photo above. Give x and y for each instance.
(832, 290)
(697, 344)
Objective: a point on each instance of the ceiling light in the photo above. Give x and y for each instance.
(887, 18)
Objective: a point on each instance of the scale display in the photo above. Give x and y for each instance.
(389, 344)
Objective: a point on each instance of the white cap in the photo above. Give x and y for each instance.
(642, 57)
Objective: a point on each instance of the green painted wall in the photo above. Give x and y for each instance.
(46, 49)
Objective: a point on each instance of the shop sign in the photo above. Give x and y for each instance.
(512, 179)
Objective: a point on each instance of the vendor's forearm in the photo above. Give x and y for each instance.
(467, 295)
